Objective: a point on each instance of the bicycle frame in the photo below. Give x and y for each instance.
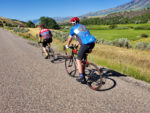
(74, 52)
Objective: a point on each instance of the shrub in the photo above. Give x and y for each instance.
(141, 45)
(144, 35)
(60, 35)
(122, 42)
(101, 41)
(148, 46)
(21, 30)
(108, 42)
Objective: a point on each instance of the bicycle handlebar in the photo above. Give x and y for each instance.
(72, 47)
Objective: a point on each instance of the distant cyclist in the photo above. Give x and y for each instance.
(47, 38)
(86, 41)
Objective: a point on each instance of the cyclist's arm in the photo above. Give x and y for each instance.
(70, 36)
(69, 40)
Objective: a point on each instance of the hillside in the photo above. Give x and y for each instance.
(129, 14)
(11, 22)
(133, 5)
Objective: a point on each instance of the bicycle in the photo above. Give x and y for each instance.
(51, 54)
(48, 49)
(91, 71)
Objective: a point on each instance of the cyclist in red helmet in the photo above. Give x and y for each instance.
(86, 41)
(47, 38)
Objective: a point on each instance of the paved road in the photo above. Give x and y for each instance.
(31, 84)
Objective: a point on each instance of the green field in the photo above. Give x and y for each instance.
(130, 31)
(130, 34)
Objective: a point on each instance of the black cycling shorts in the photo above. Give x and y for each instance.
(47, 41)
(85, 49)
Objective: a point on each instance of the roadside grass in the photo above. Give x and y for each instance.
(140, 40)
(34, 31)
(131, 62)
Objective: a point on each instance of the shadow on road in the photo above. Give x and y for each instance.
(107, 72)
(108, 82)
(59, 59)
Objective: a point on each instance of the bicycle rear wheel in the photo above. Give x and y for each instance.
(70, 66)
(93, 76)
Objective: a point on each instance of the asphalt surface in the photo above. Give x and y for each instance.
(31, 84)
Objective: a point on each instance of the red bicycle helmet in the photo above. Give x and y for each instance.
(75, 20)
(42, 26)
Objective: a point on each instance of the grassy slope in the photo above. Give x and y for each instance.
(13, 22)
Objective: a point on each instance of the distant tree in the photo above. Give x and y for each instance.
(30, 24)
(49, 23)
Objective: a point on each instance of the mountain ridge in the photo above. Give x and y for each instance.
(133, 5)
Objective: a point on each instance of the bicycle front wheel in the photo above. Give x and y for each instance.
(70, 66)
(93, 76)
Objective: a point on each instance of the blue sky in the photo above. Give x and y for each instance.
(33, 9)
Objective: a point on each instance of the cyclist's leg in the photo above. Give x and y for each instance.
(44, 48)
(49, 41)
(81, 53)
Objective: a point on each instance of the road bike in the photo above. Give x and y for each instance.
(90, 70)
(51, 54)
(48, 49)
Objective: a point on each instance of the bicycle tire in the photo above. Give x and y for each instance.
(70, 63)
(93, 76)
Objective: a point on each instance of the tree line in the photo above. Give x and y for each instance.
(47, 21)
